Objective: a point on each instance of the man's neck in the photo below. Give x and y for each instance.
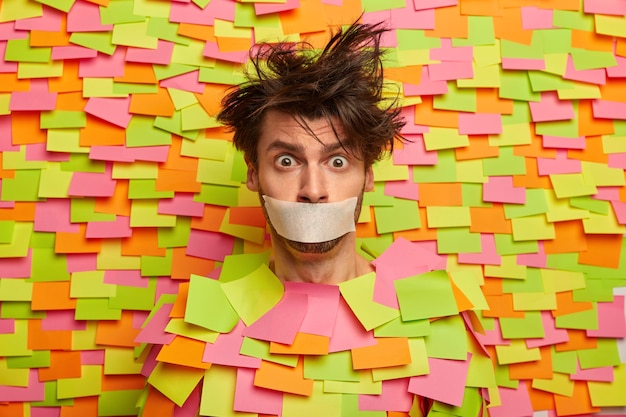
(340, 264)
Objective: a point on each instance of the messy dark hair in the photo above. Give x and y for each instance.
(343, 82)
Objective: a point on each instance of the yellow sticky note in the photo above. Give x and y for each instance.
(110, 257)
(609, 394)
(601, 175)
(444, 138)
(90, 284)
(121, 361)
(555, 280)
(13, 377)
(471, 171)
(448, 216)
(88, 384)
(534, 301)
(18, 247)
(385, 170)
(508, 268)
(532, 228)
(359, 294)
(134, 34)
(572, 185)
(512, 134)
(145, 213)
(560, 384)
(13, 289)
(174, 381)
(560, 209)
(182, 328)
(469, 283)
(516, 352)
(603, 224)
(135, 170)
(320, 403)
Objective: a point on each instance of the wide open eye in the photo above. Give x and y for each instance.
(285, 161)
(338, 162)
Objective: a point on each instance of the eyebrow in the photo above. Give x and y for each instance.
(296, 147)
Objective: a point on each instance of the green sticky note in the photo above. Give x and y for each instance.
(174, 381)
(529, 326)
(58, 119)
(365, 385)
(221, 73)
(65, 140)
(255, 294)
(134, 298)
(20, 310)
(218, 195)
(359, 294)
(99, 41)
(182, 328)
(425, 296)
(448, 216)
(350, 403)
(133, 34)
(385, 170)
(443, 171)
(207, 148)
(87, 385)
(50, 397)
(54, 183)
(319, 403)
(458, 240)
(512, 49)
(261, 349)
(191, 54)
(586, 59)
(565, 362)
(596, 290)
(335, 366)
(484, 76)
(195, 117)
(555, 280)
(532, 228)
(16, 343)
(562, 128)
(208, 306)
(409, 39)
(582, 320)
(146, 189)
(83, 210)
(142, 132)
(24, 186)
(456, 99)
(516, 85)
(218, 392)
(119, 12)
(448, 339)
(48, 266)
(90, 284)
(473, 194)
(218, 172)
(399, 328)
(512, 134)
(377, 197)
(162, 28)
(96, 309)
(135, 170)
(535, 204)
(605, 354)
(480, 31)
(418, 365)
(20, 50)
(38, 359)
(471, 406)
(17, 247)
(529, 301)
(505, 245)
(238, 266)
(506, 163)
(177, 236)
(51, 69)
(516, 352)
(157, 266)
(100, 87)
(121, 361)
(118, 403)
(508, 268)
(403, 215)
(444, 138)
(82, 163)
(145, 213)
(471, 171)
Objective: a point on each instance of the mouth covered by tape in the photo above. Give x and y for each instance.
(311, 222)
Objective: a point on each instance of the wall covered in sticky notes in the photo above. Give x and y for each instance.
(117, 184)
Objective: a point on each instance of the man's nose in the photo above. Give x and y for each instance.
(313, 187)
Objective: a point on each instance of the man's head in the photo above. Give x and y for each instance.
(342, 83)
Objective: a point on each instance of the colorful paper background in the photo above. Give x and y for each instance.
(117, 183)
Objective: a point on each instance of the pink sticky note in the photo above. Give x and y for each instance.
(535, 260)
(409, 18)
(252, 399)
(267, 8)
(165, 285)
(607, 194)
(119, 228)
(103, 66)
(225, 350)
(480, 123)
(604, 109)
(611, 7)
(191, 406)
(428, 85)
(7, 326)
(129, 278)
(187, 82)
(16, 267)
(552, 335)
(85, 17)
(182, 204)
(81, 262)
(62, 320)
(536, 18)
(550, 108)
(38, 152)
(394, 397)
(54, 216)
(112, 110)
(162, 55)
(411, 128)
(523, 64)
(619, 70)
(414, 152)
(431, 4)
(348, 332)
(92, 357)
(401, 260)
(35, 391)
(323, 305)
(515, 402)
(72, 52)
(211, 50)
(501, 190)
(603, 374)
(592, 76)
(209, 245)
(406, 189)
(191, 13)
(5, 135)
(445, 382)
(32, 100)
(447, 52)
(562, 142)
(8, 31)
(611, 319)
(91, 184)
(488, 255)
(281, 323)
(619, 209)
(446, 71)
(154, 330)
(617, 160)
(559, 165)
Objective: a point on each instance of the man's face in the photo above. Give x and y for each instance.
(293, 166)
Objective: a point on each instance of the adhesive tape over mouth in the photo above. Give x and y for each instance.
(311, 222)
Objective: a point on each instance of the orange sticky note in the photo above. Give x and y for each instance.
(178, 181)
(100, 133)
(143, 242)
(478, 148)
(183, 266)
(536, 369)
(386, 352)
(602, 250)
(40, 339)
(76, 242)
(52, 296)
(441, 194)
(283, 378)
(117, 332)
(63, 364)
(158, 405)
(159, 104)
(211, 98)
(489, 220)
(184, 351)
(578, 403)
(569, 236)
(303, 344)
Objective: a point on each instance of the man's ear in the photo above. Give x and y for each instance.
(252, 179)
(369, 179)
